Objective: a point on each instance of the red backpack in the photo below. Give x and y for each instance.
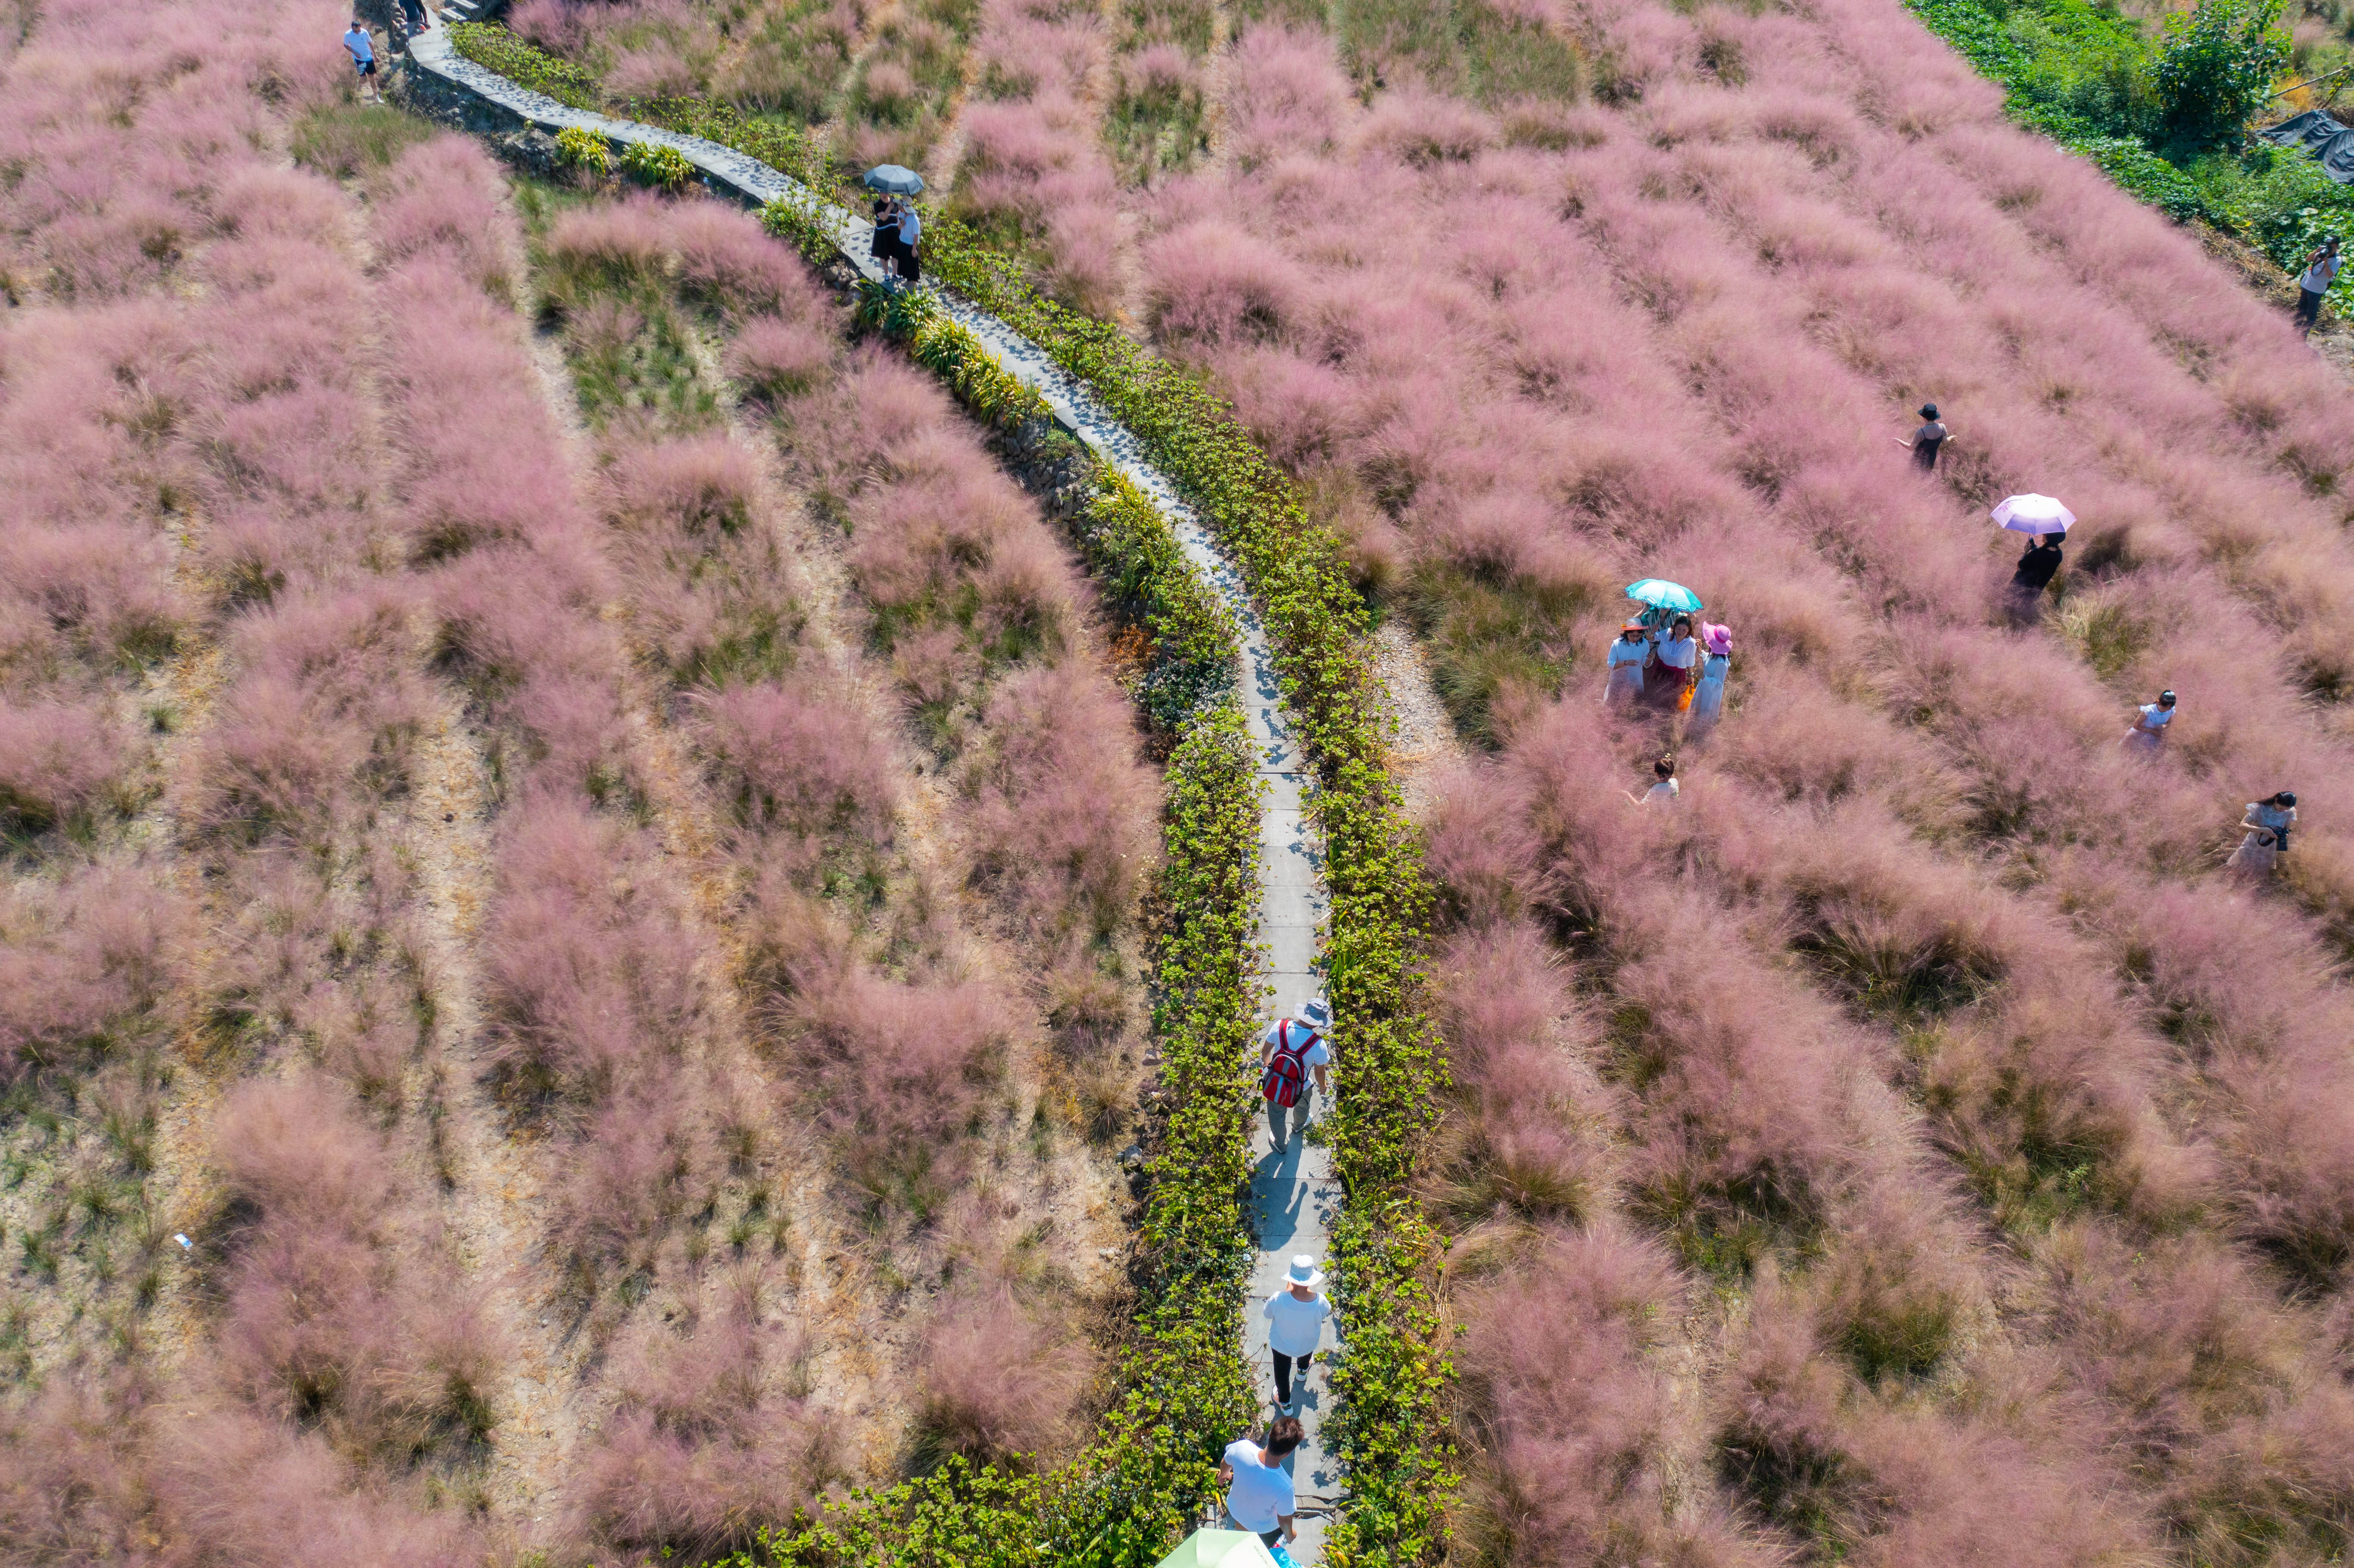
(1287, 1070)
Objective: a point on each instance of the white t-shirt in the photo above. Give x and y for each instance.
(1316, 1055)
(2321, 274)
(1625, 653)
(2156, 717)
(1294, 1326)
(1678, 652)
(911, 227)
(1663, 793)
(1262, 1494)
(357, 42)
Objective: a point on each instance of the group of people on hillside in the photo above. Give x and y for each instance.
(1679, 668)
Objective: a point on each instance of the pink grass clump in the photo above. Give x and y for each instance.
(81, 962)
(799, 763)
(56, 759)
(996, 1382)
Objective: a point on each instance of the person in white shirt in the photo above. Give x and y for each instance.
(1627, 655)
(1295, 1321)
(2148, 736)
(2268, 824)
(1671, 682)
(363, 57)
(1663, 792)
(1260, 1496)
(1288, 1052)
(911, 230)
(2320, 271)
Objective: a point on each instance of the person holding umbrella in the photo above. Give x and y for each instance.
(2148, 736)
(2047, 523)
(894, 245)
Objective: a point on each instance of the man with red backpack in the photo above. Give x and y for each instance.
(1289, 1050)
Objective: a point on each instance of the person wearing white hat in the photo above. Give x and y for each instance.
(1290, 1050)
(1295, 1321)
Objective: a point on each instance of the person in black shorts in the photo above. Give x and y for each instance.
(1927, 439)
(363, 57)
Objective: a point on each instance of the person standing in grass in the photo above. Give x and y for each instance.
(1670, 680)
(1927, 439)
(2313, 283)
(1664, 789)
(2268, 824)
(1295, 1321)
(1288, 1052)
(2037, 565)
(362, 58)
(1260, 1496)
(1708, 697)
(1626, 657)
(2148, 736)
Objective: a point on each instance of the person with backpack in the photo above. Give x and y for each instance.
(1289, 1050)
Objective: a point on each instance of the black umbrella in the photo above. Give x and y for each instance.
(893, 180)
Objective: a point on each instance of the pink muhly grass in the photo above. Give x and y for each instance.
(697, 485)
(800, 763)
(1065, 813)
(996, 1380)
(56, 759)
(776, 359)
(79, 962)
(902, 1065)
(590, 981)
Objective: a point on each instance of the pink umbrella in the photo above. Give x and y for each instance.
(2033, 515)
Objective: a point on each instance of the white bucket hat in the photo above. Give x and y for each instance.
(1304, 1272)
(1317, 1014)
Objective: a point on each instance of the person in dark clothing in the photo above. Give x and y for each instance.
(1926, 440)
(2037, 567)
(886, 249)
(414, 13)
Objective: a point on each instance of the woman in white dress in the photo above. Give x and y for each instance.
(2268, 824)
(1664, 791)
(1627, 656)
(2148, 736)
(1708, 697)
(1678, 662)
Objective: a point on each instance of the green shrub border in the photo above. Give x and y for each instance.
(1387, 1431)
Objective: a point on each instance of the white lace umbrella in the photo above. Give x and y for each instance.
(2034, 514)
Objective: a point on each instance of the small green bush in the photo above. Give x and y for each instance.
(584, 151)
(663, 167)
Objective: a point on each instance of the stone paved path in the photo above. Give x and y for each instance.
(1292, 1199)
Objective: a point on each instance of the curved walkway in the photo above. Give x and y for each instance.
(1293, 1199)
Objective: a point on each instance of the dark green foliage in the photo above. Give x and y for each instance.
(2216, 69)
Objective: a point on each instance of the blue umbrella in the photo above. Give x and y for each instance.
(893, 180)
(1661, 594)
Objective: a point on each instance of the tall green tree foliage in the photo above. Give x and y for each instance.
(2216, 69)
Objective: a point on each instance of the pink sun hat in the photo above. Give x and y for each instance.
(1716, 638)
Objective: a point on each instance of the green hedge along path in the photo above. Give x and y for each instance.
(1313, 729)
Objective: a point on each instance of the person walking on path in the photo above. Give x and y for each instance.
(1295, 1321)
(1708, 697)
(419, 19)
(2313, 283)
(1289, 1050)
(2148, 736)
(1926, 441)
(1260, 1496)
(362, 58)
(1665, 790)
(911, 230)
(1627, 656)
(2268, 824)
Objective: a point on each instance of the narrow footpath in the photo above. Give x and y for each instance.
(1294, 1199)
